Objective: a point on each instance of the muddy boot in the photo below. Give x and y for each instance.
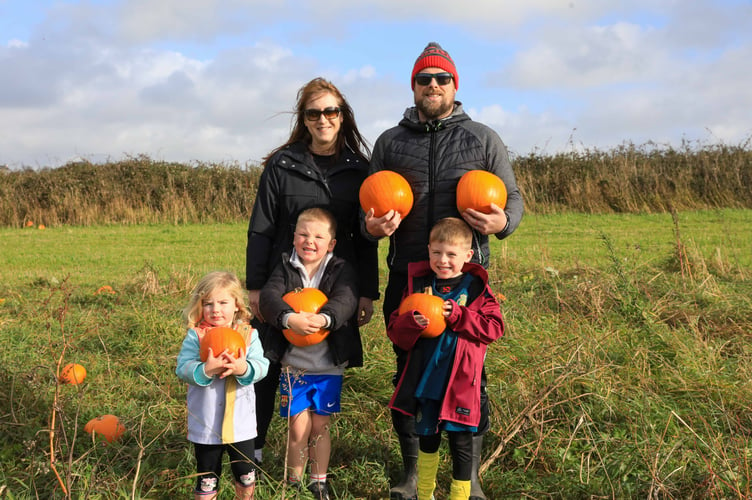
(407, 489)
(476, 493)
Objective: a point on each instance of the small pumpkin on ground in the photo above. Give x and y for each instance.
(106, 426)
(72, 374)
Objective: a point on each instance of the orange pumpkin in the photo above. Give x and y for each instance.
(386, 190)
(73, 374)
(107, 426)
(477, 189)
(218, 339)
(430, 306)
(305, 300)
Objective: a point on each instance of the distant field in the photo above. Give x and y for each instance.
(115, 251)
(626, 371)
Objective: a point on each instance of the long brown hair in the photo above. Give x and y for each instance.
(349, 135)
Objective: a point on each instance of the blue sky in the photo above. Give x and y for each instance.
(215, 80)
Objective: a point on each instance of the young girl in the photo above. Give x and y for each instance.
(221, 399)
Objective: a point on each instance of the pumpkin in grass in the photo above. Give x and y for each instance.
(106, 426)
(305, 300)
(73, 374)
(477, 189)
(218, 339)
(430, 306)
(386, 190)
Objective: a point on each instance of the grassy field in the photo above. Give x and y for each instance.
(625, 371)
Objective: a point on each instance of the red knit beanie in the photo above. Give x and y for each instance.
(434, 56)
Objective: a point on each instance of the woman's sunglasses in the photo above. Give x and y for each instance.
(314, 114)
(425, 78)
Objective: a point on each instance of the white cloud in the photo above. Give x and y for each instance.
(216, 80)
(17, 44)
(587, 57)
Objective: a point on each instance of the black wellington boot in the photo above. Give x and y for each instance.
(407, 489)
(476, 493)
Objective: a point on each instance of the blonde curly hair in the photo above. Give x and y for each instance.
(216, 280)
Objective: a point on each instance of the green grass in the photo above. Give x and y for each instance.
(625, 370)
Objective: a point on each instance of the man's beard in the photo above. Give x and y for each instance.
(434, 110)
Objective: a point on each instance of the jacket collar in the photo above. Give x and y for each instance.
(411, 120)
(298, 152)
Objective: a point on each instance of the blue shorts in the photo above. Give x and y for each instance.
(319, 393)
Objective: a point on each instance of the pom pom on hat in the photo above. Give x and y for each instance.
(433, 56)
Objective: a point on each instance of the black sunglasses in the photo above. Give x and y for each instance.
(425, 78)
(314, 114)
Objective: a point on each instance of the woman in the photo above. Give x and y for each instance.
(323, 163)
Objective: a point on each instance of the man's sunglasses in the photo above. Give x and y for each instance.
(425, 78)
(314, 114)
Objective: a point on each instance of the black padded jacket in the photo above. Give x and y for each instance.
(432, 157)
(290, 183)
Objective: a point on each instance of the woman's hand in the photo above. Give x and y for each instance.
(365, 310)
(253, 303)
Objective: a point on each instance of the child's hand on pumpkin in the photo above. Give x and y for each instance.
(214, 365)
(306, 323)
(447, 309)
(420, 319)
(232, 365)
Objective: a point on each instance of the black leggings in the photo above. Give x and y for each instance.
(461, 447)
(209, 464)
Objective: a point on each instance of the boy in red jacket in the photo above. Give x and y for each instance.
(440, 385)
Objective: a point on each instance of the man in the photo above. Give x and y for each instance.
(433, 145)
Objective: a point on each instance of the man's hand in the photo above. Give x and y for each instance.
(379, 227)
(492, 223)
